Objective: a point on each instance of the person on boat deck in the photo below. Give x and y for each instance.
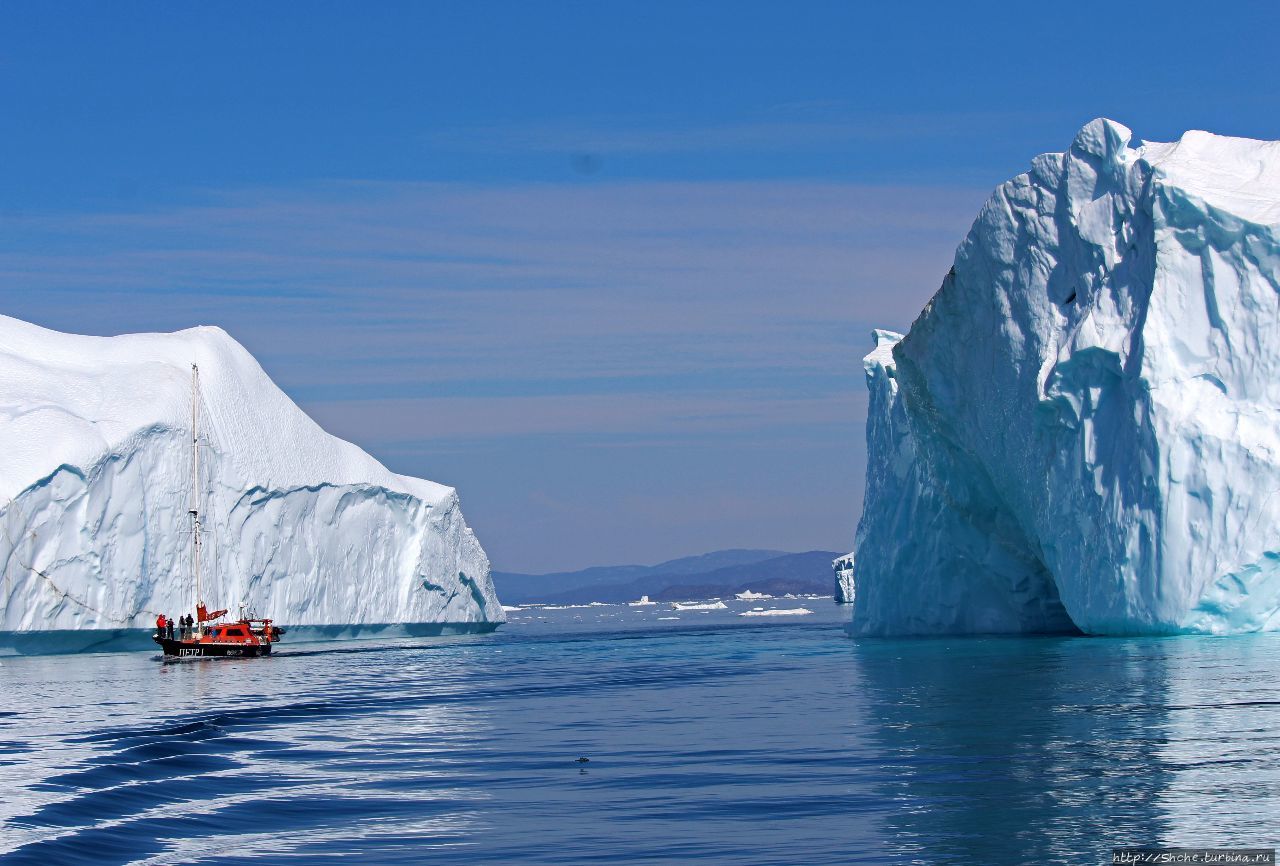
(190, 622)
(160, 624)
(171, 629)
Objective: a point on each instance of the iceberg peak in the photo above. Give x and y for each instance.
(1102, 138)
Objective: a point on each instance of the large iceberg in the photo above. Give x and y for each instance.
(1082, 428)
(95, 483)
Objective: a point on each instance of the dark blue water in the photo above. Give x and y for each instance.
(711, 739)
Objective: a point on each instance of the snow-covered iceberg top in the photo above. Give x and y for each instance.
(95, 470)
(1082, 428)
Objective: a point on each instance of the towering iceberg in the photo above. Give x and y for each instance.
(95, 483)
(1082, 428)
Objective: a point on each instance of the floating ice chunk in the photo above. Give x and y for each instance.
(844, 568)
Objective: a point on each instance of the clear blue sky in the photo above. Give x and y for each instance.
(606, 267)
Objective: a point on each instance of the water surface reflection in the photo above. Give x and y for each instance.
(1057, 749)
(715, 741)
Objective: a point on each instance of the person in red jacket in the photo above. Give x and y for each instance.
(161, 624)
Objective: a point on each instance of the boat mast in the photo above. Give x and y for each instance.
(194, 510)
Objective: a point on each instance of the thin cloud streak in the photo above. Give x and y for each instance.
(650, 415)
(615, 345)
(604, 263)
(788, 128)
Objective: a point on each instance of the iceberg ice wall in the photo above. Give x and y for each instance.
(1082, 428)
(95, 468)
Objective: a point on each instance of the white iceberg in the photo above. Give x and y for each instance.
(698, 605)
(643, 602)
(95, 468)
(843, 568)
(791, 611)
(749, 595)
(1082, 428)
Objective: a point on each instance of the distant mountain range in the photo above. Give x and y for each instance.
(721, 573)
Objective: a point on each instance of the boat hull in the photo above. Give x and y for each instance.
(194, 649)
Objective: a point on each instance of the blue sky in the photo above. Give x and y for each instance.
(609, 268)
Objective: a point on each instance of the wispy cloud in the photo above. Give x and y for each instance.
(795, 127)
(599, 279)
(454, 329)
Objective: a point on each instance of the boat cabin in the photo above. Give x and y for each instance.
(229, 631)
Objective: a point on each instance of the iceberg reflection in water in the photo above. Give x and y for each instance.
(1028, 750)
(713, 738)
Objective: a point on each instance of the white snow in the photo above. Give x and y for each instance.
(306, 528)
(1082, 428)
(792, 611)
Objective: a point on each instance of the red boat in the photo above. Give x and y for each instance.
(242, 638)
(206, 636)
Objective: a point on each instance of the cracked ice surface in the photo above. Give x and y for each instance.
(95, 471)
(1082, 428)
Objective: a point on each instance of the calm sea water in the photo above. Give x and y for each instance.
(712, 738)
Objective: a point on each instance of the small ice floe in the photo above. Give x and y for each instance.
(760, 611)
(698, 605)
(511, 609)
(749, 595)
(667, 617)
(643, 602)
(567, 607)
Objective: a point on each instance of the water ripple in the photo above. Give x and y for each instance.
(722, 743)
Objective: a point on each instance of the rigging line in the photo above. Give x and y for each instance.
(62, 594)
(65, 595)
